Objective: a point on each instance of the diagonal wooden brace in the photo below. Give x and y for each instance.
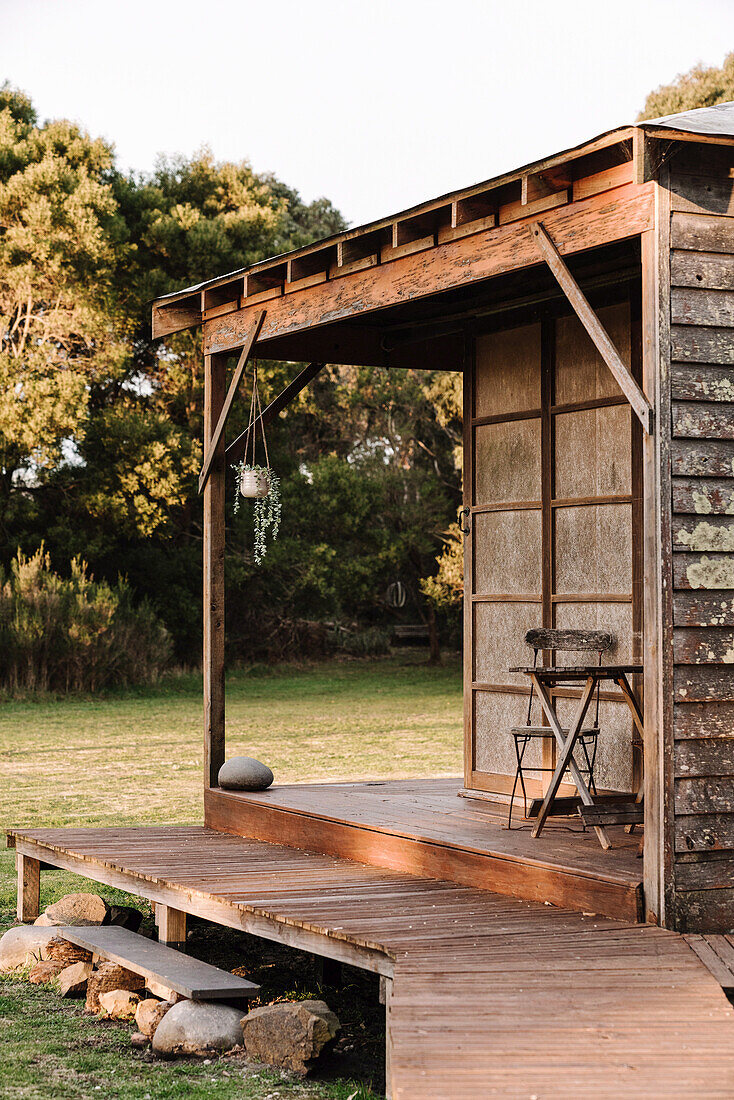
(629, 387)
(231, 393)
(237, 447)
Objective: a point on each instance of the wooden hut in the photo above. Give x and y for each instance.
(588, 300)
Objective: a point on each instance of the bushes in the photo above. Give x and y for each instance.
(73, 633)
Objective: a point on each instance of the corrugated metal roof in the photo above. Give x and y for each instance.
(715, 121)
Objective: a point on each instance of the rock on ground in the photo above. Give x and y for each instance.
(149, 1014)
(137, 1039)
(73, 979)
(79, 909)
(290, 1035)
(110, 976)
(127, 916)
(244, 773)
(22, 945)
(61, 950)
(198, 1027)
(120, 1004)
(46, 971)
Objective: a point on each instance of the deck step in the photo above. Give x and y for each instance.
(717, 953)
(164, 966)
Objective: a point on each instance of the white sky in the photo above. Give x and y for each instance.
(377, 104)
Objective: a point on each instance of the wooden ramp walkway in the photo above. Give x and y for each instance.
(488, 995)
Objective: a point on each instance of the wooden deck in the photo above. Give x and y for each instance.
(487, 995)
(422, 826)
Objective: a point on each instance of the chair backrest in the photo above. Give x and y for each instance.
(596, 641)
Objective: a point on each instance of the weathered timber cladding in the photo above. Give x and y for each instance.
(702, 531)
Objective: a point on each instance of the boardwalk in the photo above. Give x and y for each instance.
(490, 995)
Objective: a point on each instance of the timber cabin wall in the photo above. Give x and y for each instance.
(698, 199)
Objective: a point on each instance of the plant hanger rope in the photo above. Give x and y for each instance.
(256, 414)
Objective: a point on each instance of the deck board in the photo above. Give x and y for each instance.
(491, 995)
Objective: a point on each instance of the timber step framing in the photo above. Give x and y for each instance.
(469, 975)
(421, 826)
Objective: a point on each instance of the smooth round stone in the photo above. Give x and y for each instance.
(244, 773)
(198, 1027)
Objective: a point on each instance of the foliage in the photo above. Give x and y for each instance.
(74, 633)
(446, 588)
(373, 641)
(100, 425)
(266, 510)
(61, 332)
(699, 87)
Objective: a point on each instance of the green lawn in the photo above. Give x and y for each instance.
(136, 758)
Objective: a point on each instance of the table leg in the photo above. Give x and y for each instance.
(566, 760)
(623, 684)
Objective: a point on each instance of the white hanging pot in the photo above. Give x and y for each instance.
(254, 483)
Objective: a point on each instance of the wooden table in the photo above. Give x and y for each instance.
(544, 680)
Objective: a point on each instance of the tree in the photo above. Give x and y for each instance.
(100, 426)
(700, 87)
(61, 332)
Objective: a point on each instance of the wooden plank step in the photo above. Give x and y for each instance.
(163, 965)
(717, 953)
(624, 813)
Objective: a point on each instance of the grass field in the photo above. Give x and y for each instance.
(136, 758)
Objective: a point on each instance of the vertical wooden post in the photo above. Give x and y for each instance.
(171, 926)
(215, 380)
(638, 529)
(386, 1000)
(29, 887)
(657, 596)
(547, 492)
(469, 382)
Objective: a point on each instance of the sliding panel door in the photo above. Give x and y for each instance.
(552, 482)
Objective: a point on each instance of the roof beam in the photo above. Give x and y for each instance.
(590, 223)
(629, 387)
(472, 209)
(231, 393)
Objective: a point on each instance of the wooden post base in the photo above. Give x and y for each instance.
(171, 926)
(29, 887)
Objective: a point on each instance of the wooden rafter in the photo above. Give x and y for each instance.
(629, 387)
(236, 448)
(229, 400)
(598, 220)
(522, 193)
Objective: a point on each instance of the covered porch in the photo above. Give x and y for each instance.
(533, 287)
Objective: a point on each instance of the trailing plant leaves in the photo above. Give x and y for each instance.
(266, 511)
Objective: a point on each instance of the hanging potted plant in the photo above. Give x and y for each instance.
(257, 482)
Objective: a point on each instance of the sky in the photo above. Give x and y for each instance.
(376, 105)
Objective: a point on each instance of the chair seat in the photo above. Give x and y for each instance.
(546, 731)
